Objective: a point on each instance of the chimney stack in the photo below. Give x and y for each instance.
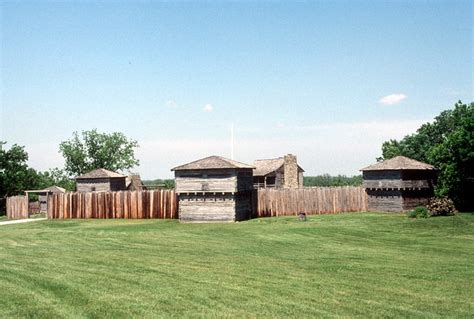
(290, 169)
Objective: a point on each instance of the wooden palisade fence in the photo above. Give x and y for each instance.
(309, 200)
(17, 207)
(163, 204)
(123, 204)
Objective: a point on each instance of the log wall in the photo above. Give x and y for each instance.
(101, 184)
(123, 204)
(214, 207)
(317, 200)
(17, 207)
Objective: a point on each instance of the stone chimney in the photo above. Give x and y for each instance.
(290, 169)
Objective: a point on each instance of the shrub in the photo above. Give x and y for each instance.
(419, 212)
(441, 207)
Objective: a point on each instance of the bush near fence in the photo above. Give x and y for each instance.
(309, 200)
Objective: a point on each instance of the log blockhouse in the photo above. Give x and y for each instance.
(214, 189)
(398, 184)
(101, 180)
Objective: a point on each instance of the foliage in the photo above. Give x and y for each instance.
(345, 265)
(448, 144)
(160, 183)
(419, 212)
(441, 207)
(56, 177)
(328, 180)
(92, 150)
(15, 175)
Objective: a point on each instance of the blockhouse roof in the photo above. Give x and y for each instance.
(399, 163)
(212, 162)
(100, 173)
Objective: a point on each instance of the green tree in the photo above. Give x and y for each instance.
(448, 144)
(92, 150)
(15, 175)
(58, 177)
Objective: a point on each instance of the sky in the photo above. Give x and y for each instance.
(328, 81)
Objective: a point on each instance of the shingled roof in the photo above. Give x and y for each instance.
(266, 166)
(211, 162)
(399, 163)
(55, 189)
(100, 173)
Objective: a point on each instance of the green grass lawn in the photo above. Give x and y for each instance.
(365, 265)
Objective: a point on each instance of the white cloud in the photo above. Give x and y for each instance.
(171, 104)
(392, 99)
(208, 108)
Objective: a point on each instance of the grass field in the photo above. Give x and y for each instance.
(366, 265)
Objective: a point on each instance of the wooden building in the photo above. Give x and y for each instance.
(398, 184)
(43, 196)
(281, 172)
(214, 189)
(101, 180)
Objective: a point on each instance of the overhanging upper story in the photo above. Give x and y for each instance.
(399, 173)
(213, 174)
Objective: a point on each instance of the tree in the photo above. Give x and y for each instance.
(94, 150)
(15, 175)
(58, 177)
(448, 144)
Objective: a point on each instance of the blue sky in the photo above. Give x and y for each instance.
(327, 81)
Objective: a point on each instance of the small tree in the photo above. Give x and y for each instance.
(15, 175)
(92, 150)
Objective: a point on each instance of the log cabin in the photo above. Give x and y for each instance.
(214, 189)
(281, 172)
(398, 184)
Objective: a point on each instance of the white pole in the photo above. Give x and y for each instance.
(232, 141)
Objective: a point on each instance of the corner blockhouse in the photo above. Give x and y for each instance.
(398, 184)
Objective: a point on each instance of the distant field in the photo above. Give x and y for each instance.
(359, 264)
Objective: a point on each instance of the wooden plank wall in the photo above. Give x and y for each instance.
(17, 207)
(124, 204)
(309, 200)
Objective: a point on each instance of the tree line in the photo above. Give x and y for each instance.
(327, 180)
